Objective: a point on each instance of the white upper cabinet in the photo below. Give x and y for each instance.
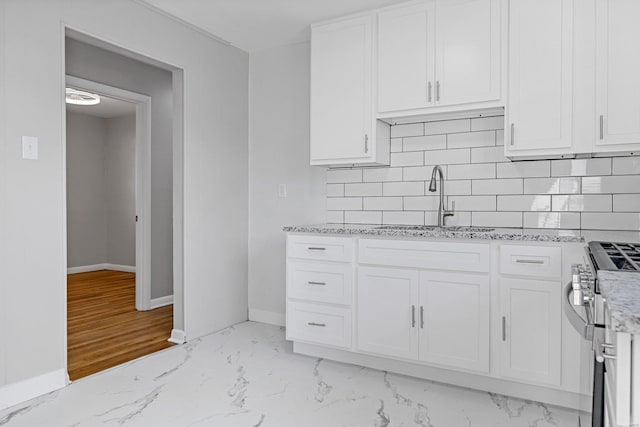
(343, 127)
(406, 52)
(467, 51)
(539, 104)
(439, 56)
(617, 75)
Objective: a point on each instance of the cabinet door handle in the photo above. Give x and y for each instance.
(421, 317)
(429, 91)
(313, 248)
(438, 90)
(317, 283)
(321, 325)
(601, 127)
(529, 261)
(504, 328)
(366, 143)
(413, 316)
(513, 133)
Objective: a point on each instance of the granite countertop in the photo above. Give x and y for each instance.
(621, 289)
(539, 235)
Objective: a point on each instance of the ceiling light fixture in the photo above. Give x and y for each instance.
(79, 97)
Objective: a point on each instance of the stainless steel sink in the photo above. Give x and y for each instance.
(460, 229)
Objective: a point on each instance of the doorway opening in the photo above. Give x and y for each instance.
(121, 207)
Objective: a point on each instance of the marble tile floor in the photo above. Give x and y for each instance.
(247, 376)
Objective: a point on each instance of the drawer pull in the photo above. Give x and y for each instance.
(529, 261)
(421, 317)
(317, 283)
(321, 325)
(313, 248)
(413, 316)
(504, 328)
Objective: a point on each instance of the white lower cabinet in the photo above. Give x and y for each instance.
(530, 330)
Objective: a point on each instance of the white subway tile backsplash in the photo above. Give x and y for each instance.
(447, 157)
(473, 203)
(335, 190)
(403, 217)
(496, 219)
(383, 203)
(581, 167)
(626, 202)
(610, 221)
(424, 143)
(412, 129)
(447, 126)
(344, 175)
(538, 168)
(567, 220)
(421, 203)
(488, 155)
(413, 158)
(582, 203)
(344, 203)
(611, 184)
(471, 139)
(497, 186)
(366, 189)
(472, 171)
(403, 188)
(524, 203)
(485, 123)
(382, 174)
(363, 217)
(552, 185)
(488, 189)
(626, 165)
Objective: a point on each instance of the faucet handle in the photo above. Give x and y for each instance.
(447, 212)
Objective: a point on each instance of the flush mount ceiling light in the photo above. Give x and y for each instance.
(79, 97)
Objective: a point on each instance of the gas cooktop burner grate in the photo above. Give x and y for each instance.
(623, 256)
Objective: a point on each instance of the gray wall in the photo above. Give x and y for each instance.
(86, 202)
(278, 154)
(100, 190)
(33, 287)
(98, 65)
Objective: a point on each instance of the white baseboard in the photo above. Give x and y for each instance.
(98, 267)
(268, 317)
(161, 302)
(19, 392)
(178, 336)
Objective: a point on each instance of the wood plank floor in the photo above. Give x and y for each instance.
(103, 327)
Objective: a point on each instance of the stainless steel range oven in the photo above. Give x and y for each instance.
(584, 307)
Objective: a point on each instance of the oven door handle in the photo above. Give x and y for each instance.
(582, 326)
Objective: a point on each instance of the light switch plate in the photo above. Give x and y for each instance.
(282, 190)
(30, 147)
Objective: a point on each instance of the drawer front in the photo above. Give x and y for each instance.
(320, 248)
(319, 281)
(320, 324)
(537, 261)
(434, 255)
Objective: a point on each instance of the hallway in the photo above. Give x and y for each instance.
(104, 329)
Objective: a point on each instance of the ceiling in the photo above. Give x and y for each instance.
(254, 25)
(108, 108)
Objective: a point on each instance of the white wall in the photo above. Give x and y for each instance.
(33, 212)
(99, 65)
(86, 203)
(278, 154)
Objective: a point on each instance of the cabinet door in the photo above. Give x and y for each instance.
(406, 41)
(387, 320)
(454, 319)
(530, 333)
(617, 73)
(341, 101)
(539, 107)
(467, 51)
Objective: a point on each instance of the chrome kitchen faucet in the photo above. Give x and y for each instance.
(443, 212)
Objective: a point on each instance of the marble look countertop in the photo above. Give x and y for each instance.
(622, 292)
(537, 235)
